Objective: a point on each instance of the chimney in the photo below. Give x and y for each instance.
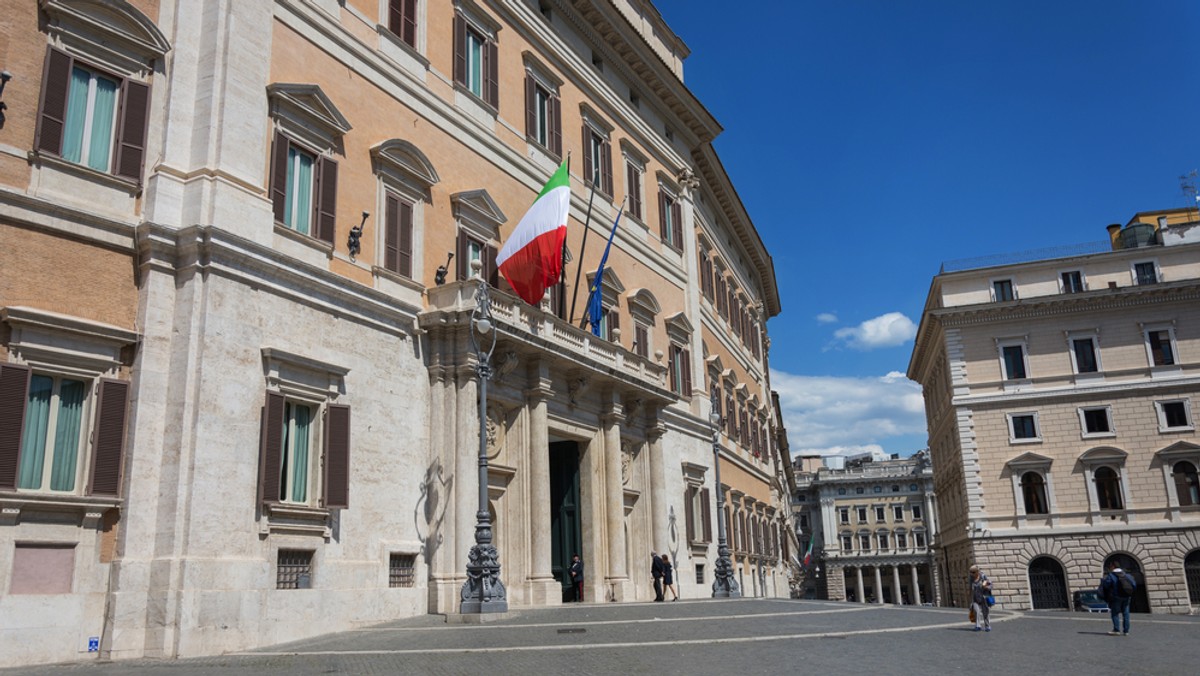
(1114, 234)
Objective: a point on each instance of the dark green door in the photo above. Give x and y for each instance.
(565, 532)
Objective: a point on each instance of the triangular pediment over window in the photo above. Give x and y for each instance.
(406, 161)
(1029, 460)
(477, 210)
(1178, 450)
(308, 104)
(115, 27)
(613, 288)
(679, 328)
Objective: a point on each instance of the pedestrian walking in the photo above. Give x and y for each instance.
(669, 577)
(1117, 588)
(656, 571)
(576, 571)
(981, 599)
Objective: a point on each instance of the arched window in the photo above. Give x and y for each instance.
(841, 491)
(1191, 571)
(1108, 489)
(1033, 488)
(1187, 484)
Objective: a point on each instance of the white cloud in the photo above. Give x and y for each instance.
(886, 330)
(827, 318)
(828, 415)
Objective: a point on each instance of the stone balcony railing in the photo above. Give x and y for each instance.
(537, 329)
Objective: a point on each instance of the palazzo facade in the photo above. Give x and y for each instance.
(240, 244)
(1061, 394)
(872, 526)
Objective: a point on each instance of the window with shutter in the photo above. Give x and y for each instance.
(689, 512)
(398, 224)
(705, 513)
(476, 56)
(92, 117)
(402, 20)
(633, 187)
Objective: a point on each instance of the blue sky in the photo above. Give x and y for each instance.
(871, 140)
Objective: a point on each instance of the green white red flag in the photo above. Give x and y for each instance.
(531, 259)
(808, 555)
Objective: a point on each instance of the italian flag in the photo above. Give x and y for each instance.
(808, 554)
(531, 259)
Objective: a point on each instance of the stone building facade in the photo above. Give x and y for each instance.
(238, 254)
(873, 526)
(1061, 396)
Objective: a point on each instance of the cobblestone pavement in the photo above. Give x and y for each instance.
(746, 636)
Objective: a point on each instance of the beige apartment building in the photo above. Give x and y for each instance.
(872, 524)
(1061, 392)
(238, 245)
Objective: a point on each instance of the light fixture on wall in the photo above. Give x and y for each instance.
(5, 76)
(354, 242)
(439, 277)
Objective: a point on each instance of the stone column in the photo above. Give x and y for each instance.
(878, 586)
(614, 500)
(897, 599)
(658, 485)
(545, 589)
(916, 585)
(862, 592)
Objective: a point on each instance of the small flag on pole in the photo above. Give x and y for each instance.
(532, 258)
(595, 305)
(808, 554)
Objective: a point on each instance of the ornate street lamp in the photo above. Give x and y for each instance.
(725, 586)
(483, 592)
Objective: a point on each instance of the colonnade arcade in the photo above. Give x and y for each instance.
(878, 582)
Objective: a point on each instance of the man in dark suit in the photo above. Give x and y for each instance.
(656, 569)
(576, 571)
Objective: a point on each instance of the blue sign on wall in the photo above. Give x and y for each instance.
(93, 644)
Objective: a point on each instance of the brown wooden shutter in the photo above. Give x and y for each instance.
(406, 237)
(632, 180)
(642, 336)
(270, 453)
(531, 108)
(705, 513)
(490, 272)
(689, 517)
(677, 223)
(409, 34)
(662, 214)
(109, 446)
(588, 175)
(327, 199)
(491, 69)
(671, 367)
(606, 168)
(14, 388)
(460, 49)
(279, 158)
(131, 140)
(396, 17)
(463, 249)
(56, 83)
(555, 114)
(337, 456)
(685, 362)
(391, 234)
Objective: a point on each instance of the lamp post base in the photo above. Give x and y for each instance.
(483, 592)
(725, 585)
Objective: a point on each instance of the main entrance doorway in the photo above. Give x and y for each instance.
(565, 530)
(1047, 584)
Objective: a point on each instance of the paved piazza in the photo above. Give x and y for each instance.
(748, 636)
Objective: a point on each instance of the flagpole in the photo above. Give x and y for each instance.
(582, 247)
(587, 312)
(562, 273)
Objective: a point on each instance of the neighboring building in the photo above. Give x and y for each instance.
(236, 392)
(872, 524)
(1061, 391)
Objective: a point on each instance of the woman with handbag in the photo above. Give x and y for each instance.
(981, 593)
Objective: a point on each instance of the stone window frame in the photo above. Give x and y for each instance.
(1162, 417)
(1094, 336)
(1147, 328)
(1023, 343)
(1083, 430)
(897, 513)
(411, 56)
(644, 309)
(1083, 285)
(1133, 275)
(1012, 435)
(321, 385)
(634, 161)
(1115, 459)
(403, 171)
(1012, 289)
(1042, 465)
(58, 345)
(539, 75)
(1167, 457)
